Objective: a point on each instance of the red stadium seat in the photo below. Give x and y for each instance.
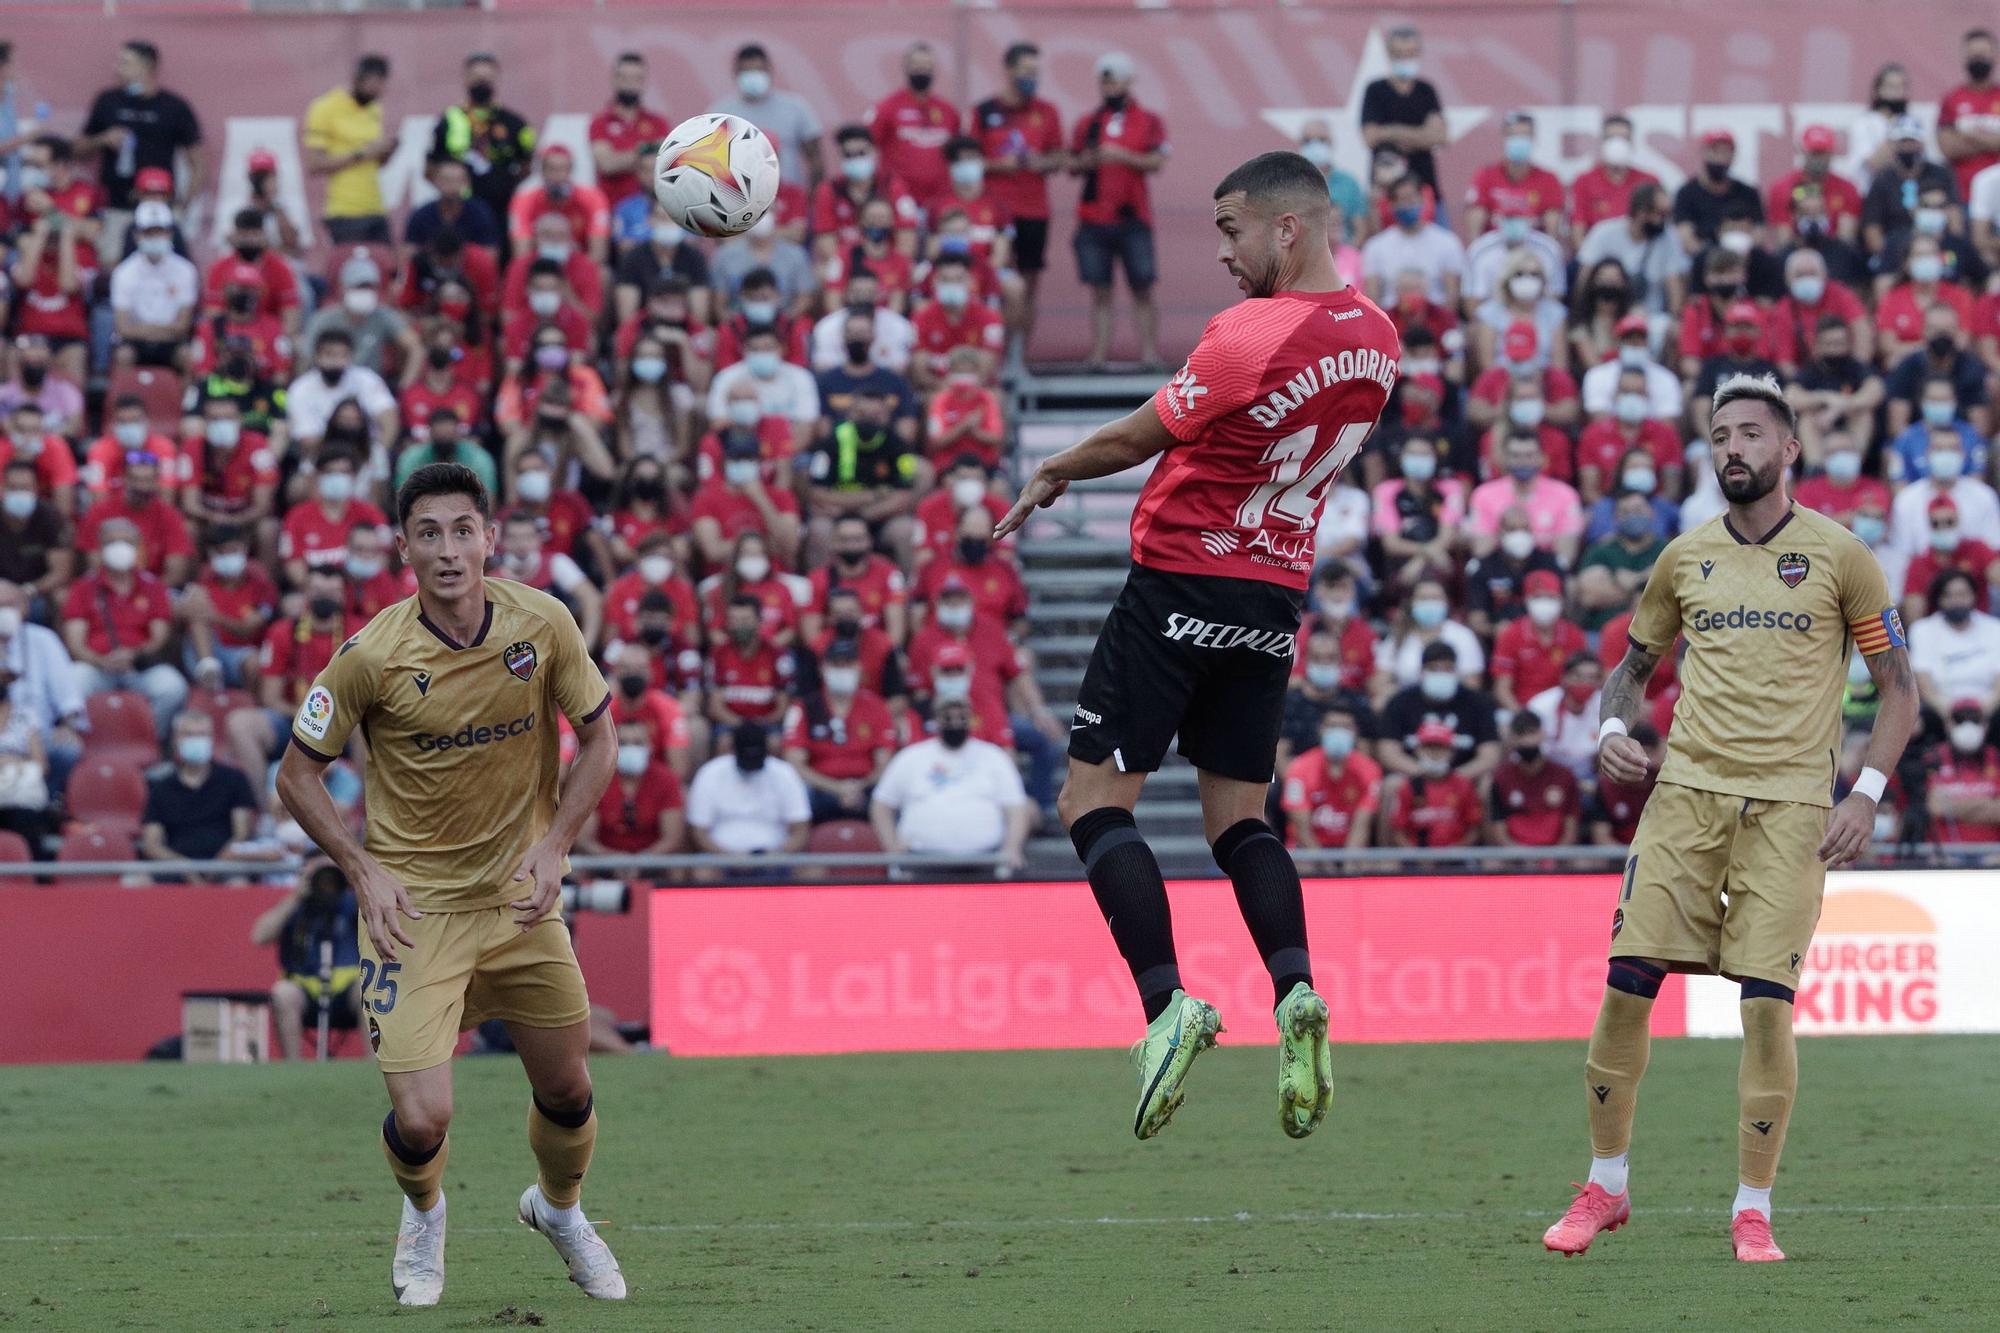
(160, 389)
(93, 842)
(218, 704)
(107, 792)
(13, 848)
(847, 835)
(121, 716)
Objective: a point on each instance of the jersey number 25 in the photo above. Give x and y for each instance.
(1294, 489)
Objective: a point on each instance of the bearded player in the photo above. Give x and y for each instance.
(456, 691)
(1245, 442)
(1731, 854)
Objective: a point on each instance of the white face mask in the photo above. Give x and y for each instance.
(967, 492)
(1524, 286)
(1947, 464)
(1323, 675)
(666, 235)
(1526, 411)
(1737, 242)
(156, 247)
(656, 569)
(1926, 268)
(842, 680)
(360, 301)
(1968, 737)
(1632, 357)
(1338, 742)
(955, 617)
(1617, 152)
(532, 487)
(1640, 479)
(740, 471)
(953, 688)
(1843, 467)
(19, 504)
(229, 564)
(632, 760)
(753, 83)
(952, 295)
(120, 557)
(336, 487)
(363, 567)
(129, 434)
(763, 365)
(1632, 408)
(1429, 613)
(545, 304)
(195, 751)
(1544, 610)
(753, 568)
(1439, 685)
(649, 369)
(224, 434)
(28, 446)
(1420, 467)
(745, 411)
(1518, 543)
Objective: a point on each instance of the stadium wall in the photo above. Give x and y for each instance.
(1231, 80)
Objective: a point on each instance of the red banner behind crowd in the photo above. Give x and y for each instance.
(1231, 80)
(795, 971)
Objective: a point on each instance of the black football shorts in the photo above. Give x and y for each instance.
(1200, 656)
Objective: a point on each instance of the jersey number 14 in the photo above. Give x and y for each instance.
(1294, 489)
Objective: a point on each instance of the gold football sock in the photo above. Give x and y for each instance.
(562, 1141)
(419, 1171)
(1766, 1086)
(1619, 1046)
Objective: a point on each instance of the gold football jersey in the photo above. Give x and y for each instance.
(1768, 619)
(461, 772)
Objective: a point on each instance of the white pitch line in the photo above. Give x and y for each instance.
(995, 1223)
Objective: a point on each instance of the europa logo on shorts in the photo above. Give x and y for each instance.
(1872, 966)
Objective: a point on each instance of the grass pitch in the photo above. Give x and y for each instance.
(934, 1192)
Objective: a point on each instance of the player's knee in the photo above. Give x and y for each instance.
(415, 1130)
(1238, 835)
(566, 1094)
(1756, 988)
(1636, 976)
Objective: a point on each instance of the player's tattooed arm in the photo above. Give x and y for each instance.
(1625, 687)
(1853, 822)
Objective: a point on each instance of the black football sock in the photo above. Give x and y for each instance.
(1126, 880)
(1269, 896)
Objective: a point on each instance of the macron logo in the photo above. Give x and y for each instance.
(1219, 544)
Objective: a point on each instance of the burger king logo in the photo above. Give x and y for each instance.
(1872, 967)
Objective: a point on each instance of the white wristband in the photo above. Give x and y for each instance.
(1870, 784)
(1612, 726)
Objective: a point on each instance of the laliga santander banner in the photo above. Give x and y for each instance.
(768, 971)
(1894, 952)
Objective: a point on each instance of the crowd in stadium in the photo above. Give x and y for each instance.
(763, 471)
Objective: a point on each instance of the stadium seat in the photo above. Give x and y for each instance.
(13, 848)
(121, 716)
(94, 842)
(159, 388)
(103, 791)
(218, 704)
(847, 835)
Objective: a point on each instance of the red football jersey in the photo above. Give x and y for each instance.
(113, 619)
(622, 131)
(1966, 775)
(1444, 814)
(1274, 401)
(628, 814)
(254, 592)
(1331, 801)
(1976, 110)
(311, 536)
(229, 478)
(1534, 805)
(295, 653)
(842, 747)
(1533, 663)
(880, 586)
(752, 685)
(910, 131)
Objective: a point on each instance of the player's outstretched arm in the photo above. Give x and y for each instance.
(1619, 757)
(1853, 822)
(542, 866)
(1112, 447)
(302, 788)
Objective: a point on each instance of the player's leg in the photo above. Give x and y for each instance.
(1665, 920)
(415, 1140)
(1776, 883)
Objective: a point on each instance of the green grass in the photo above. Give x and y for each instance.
(936, 1192)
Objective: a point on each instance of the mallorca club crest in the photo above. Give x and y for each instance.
(1792, 568)
(520, 659)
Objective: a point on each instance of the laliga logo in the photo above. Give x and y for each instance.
(724, 991)
(1873, 966)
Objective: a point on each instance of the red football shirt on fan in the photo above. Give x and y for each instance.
(1332, 801)
(987, 217)
(1538, 191)
(1900, 312)
(1604, 442)
(368, 598)
(1702, 331)
(1976, 110)
(612, 128)
(1616, 637)
(1841, 503)
(910, 130)
(621, 606)
(420, 400)
(233, 599)
(995, 659)
(270, 349)
(794, 338)
(296, 653)
(280, 285)
(977, 325)
(104, 462)
(1972, 556)
(936, 518)
(780, 611)
(1534, 663)
(1594, 196)
(873, 650)
(1534, 805)
(1621, 804)
(1113, 192)
(629, 821)
(954, 403)
(1966, 775)
(1793, 326)
(733, 511)
(879, 586)
(585, 278)
(163, 531)
(775, 443)
(842, 747)
(1843, 200)
(1558, 385)
(997, 591)
(114, 619)
(632, 527)
(659, 713)
(1275, 400)
(750, 685)
(1013, 132)
(1444, 814)
(313, 536)
(46, 308)
(834, 212)
(55, 465)
(561, 521)
(229, 478)
(1357, 649)
(1556, 450)
(895, 274)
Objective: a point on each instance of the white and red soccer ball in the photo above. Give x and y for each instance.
(716, 174)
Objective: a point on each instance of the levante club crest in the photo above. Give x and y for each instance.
(1792, 568)
(520, 658)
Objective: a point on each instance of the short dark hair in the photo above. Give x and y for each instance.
(759, 331)
(1440, 651)
(59, 148)
(758, 277)
(23, 464)
(443, 412)
(375, 65)
(545, 268)
(1972, 34)
(1523, 723)
(1581, 657)
(125, 400)
(1646, 196)
(1278, 178)
(849, 133)
(442, 479)
(1017, 52)
(630, 58)
(1616, 118)
(146, 51)
(338, 337)
(330, 454)
(958, 145)
(752, 51)
(744, 599)
(481, 58)
(248, 219)
(1944, 578)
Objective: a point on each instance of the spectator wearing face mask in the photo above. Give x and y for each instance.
(1021, 138)
(443, 440)
(1442, 693)
(775, 438)
(372, 326)
(1568, 713)
(953, 794)
(1333, 789)
(45, 455)
(879, 659)
(1343, 191)
(1514, 185)
(758, 307)
(224, 612)
(856, 373)
(117, 623)
(762, 248)
(864, 205)
(1978, 506)
(1963, 795)
(893, 339)
(141, 499)
(135, 126)
(783, 388)
(1496, 583)
(642, 810)
(1403, 110)
(839, 736)
(236, 319)
(964, 414)
(1491, 255)
(1840, 491)
(669, 734)
(1619, 562)
(310, 399)
(746, 801)
(59, 397)
(1529, 652)
(1840, 197)
(875, 581)
(1949, 550)
(625, 135)
(315, 530)
(1425, 623)
(654, 576)
(1411, 242)
(1955, 651)
(1604, 191)
(232, 474)
(1555, 515)
(1904, 315)
(1521, 300)
(202, 810)
(1940, 371)
(738, 500)
(35, 545)
(1526, 412)
(749, 676)
(1114, 150)
(253, 266)
(154, 294)
(1810, 300)
(784, 116)
(345, 142)
(998, 594)
(1435, 805)
(1744, 349)
(1835, 393)
(1629, 426)
(493, 141)
(525, 558)
(128, 434)
(1419, 516)
(1938, 426)
(549, 285)
(1888, 209)
(668, 250)
(1704, 319)
(865, 466)
(952, 320)
(1524, 368)
(567, 523)
(456, 210)
(372, 586)
(1534, 802)
(964, 484)
(1657, 265)
(1706, 199)
(955, 657)
(641, 505)
(913, 125)
(1328, 674)
(556, 405)
(780, 597)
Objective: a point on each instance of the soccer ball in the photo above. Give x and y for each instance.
(716, 174)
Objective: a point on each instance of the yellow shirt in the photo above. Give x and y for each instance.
(336, 124)
(1768, 623)
(461, 772)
